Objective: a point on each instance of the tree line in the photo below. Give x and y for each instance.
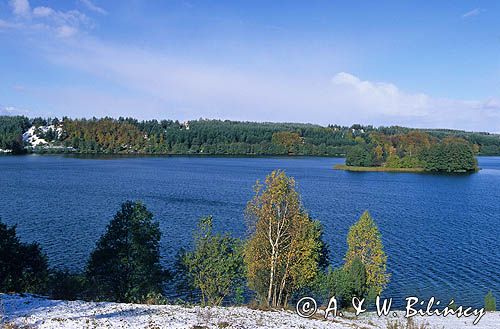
(414, 149)
(216, 137)
(283, 257)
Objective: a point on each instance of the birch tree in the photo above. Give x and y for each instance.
(284, 248)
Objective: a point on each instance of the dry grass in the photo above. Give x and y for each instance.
(409, 324)
(377, 169)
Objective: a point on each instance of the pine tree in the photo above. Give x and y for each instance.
(365, 242)
(125, 266)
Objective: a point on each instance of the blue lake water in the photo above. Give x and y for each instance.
(441, 232)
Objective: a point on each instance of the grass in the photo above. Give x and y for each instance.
(378, 169)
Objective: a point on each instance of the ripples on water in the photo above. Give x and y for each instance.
(440, 231)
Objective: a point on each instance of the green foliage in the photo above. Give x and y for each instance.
(125, 266)
(11, 131)
(410, 161)
(23, 266)
(452, 155)
(128, 135)
(65, 285)
(365, 243)
(359, 156)
(490, 302)
(344, 283)
(215, 267)
(283, 253)
(393, 161)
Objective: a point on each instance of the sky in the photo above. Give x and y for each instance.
(432, 64)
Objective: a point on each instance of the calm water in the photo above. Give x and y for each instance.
(440, 232)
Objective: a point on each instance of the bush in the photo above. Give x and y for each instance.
(490, 302)
(23, 266)
(65, 285)
(347, 282)
(215, 267)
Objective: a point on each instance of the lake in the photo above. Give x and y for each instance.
(440, 232)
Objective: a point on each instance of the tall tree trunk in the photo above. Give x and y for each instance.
(271, 278)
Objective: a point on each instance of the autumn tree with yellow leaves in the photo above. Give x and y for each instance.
(365, 243)
(284, 249)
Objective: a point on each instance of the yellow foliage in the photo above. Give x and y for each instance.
(283, 251)
(364, 241)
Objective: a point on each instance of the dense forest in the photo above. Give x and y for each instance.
(211, 137)
(415, 149)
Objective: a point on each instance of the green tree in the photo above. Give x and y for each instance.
(23, 266)
(283, 253)
(125, 265)
(65, 285)
(451, 155)
(215, 267)
(490, 302)
(359, 156)
(365, 243)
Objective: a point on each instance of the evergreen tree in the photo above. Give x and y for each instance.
(23, 266)
(125, 266)
(365, 243)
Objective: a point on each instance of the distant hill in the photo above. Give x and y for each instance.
(20, 134)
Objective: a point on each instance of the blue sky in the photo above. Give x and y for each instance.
(419, 64)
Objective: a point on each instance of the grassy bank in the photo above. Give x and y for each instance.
(378, 169)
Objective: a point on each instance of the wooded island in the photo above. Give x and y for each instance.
(415, 151)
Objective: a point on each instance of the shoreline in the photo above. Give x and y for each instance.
(378, 169)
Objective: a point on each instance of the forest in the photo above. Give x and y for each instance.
(212, 137)
(414, 150)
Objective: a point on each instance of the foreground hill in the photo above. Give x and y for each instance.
(35, 312)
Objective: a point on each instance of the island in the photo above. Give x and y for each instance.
(415, 151)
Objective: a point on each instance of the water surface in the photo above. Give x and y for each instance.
(440, 231)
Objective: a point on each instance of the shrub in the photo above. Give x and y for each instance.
(215, 267)
(23, 266)
(490, 302)
(65, 285)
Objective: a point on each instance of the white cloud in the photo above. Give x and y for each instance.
(63, 23)
(43, 11)
(11, 110)
(66, 31)
(8, 25)
(91, 6)
(473, 12)
(188, 89)
(20, 7)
